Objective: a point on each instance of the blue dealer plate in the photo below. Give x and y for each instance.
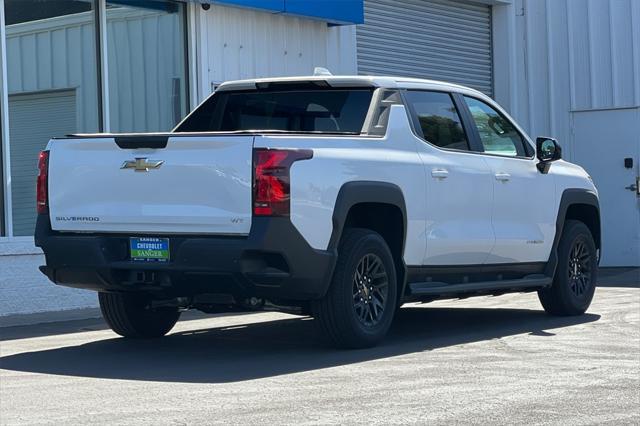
(147, 249)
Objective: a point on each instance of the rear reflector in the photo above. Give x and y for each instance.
(271, 184)
(42, 197)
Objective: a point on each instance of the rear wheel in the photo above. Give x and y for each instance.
(575, 279)
(359, 306)
(129, 315)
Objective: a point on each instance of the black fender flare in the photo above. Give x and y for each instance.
(569, 197)
(356, 192)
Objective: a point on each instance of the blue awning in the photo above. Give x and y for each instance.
(339, 12)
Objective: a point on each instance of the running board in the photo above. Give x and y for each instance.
(439, 288)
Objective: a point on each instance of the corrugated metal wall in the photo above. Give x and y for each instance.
(240, 43)
(601, 53)
(56, 53)
(436, 39)
(575, 55)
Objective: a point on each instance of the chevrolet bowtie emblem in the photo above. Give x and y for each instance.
(142, 164)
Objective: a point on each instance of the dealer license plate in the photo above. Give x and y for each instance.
(147, 249)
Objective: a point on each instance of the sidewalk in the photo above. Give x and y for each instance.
(46, 317)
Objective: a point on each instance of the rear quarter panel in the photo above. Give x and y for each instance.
(315, 183)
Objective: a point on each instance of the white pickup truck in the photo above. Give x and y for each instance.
(336, 197)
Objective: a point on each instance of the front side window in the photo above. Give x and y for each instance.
(438, 119)
(339, 111)
(497, 134)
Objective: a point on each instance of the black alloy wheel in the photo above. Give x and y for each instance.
(575, 279)
(579, 270)
(357, 310)
(370, 290)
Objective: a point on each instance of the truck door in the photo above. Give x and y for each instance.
(523, 212)
(459, 184)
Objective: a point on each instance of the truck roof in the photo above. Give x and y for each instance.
(350, 81)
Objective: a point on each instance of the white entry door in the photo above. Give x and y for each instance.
(602, 142)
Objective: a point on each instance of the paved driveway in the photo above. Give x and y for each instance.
(483, 360)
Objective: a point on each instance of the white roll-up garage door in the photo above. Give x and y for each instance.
(436, 39)
(34, 119)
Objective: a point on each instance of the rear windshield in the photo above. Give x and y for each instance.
(338, 111)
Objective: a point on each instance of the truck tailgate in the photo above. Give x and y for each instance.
(195, 184)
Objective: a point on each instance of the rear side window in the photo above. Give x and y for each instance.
(438, 119)
(337, 111)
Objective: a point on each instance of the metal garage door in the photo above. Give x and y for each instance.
(33, 120)
(437, 39)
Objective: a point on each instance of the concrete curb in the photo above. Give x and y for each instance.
(46, 317)
(619, 277)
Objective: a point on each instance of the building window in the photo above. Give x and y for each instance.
(52, 87)
(146, 63)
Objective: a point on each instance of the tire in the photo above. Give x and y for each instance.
(349, 323)
(575, 278)
(128, 315)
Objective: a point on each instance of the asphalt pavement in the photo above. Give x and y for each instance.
(487, 360)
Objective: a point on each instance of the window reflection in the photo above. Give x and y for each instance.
(497, 134)
(146, 65)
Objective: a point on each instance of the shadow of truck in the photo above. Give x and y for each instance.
(267, 349)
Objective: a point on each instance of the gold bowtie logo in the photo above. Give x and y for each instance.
(142, 164)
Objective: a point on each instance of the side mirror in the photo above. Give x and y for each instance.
(547, 151)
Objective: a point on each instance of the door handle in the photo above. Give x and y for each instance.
(503, 177)
(439, 173)
(635, 187)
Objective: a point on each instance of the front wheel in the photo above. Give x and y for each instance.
(129, 315)
(575, 279)
(360, 304)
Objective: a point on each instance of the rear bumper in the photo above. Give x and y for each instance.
(273, 261)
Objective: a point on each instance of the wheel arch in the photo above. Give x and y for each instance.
(355, 206)
(576, 204)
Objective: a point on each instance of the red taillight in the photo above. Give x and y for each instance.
(271, 179)
(42, 196)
